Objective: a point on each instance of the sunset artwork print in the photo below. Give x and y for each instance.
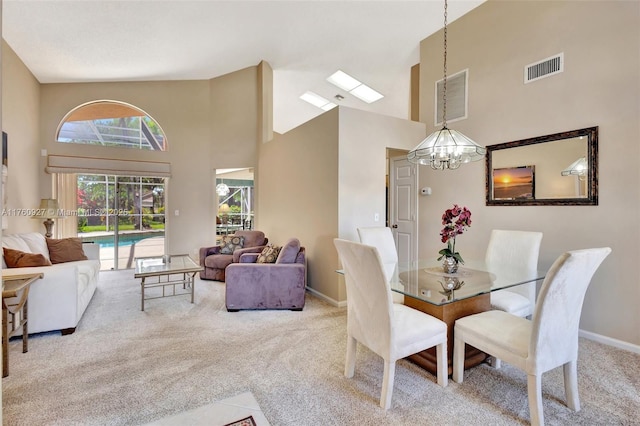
(514, 183)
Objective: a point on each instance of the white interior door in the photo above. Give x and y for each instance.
(403, 205)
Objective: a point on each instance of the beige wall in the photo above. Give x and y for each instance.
(20, 120)
(234, 119)
(182, 109)
(208, 124)
(326, 178)
(364, 140)
(265, 102)
(298, 178)
(213, 124)
(599, 87)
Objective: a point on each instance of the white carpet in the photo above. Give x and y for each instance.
(127, 367)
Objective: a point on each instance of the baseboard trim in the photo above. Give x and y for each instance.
(327, 299)
(610, 341)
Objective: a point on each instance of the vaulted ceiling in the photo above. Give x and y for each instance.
(376, 42)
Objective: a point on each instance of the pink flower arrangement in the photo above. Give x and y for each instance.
(455, 220)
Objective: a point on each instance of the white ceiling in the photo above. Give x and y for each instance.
(376, 42)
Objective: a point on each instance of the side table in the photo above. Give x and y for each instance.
(15, 294)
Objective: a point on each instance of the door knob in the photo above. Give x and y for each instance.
(395, 226)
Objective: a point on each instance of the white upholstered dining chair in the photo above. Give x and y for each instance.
(548, 341)
(391, 330)
(381, 238)
(518, 249)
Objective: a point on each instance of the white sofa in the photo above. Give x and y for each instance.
(58, 300)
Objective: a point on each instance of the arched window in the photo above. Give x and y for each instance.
(111, 123)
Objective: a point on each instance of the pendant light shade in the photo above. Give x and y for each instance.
(446, 149)
(222, 189)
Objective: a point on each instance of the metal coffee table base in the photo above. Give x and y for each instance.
(187, 282)
(166, 271)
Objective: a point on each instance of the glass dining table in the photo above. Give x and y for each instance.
(429, 289)
(425, 280)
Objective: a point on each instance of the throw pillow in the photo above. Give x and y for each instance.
(37, 243)
(21, 259)
(269, 254)
(289, 251)
(65, 250)
(231, 243)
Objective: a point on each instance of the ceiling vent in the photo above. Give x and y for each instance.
(457, 89)
(544, 68)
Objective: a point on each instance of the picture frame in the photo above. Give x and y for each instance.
(514, 183)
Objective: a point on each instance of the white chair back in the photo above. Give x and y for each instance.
(516, 249)
(369, 303)
(554, 338)
(382, 238)
(550, 340)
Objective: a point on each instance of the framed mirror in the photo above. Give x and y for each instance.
(550, 170)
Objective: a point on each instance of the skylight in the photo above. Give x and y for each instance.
(355, 87)
(343, 81)
(318, 101)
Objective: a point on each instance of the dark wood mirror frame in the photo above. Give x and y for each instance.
(591, 191)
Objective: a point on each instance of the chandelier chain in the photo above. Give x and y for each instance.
(444, 81)
(445, 148)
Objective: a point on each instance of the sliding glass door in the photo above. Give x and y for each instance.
(124, 215)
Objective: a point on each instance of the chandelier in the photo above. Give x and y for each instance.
(577, 168)
(222, 189)
(446, 148)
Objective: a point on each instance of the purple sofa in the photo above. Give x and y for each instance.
(215, 263)
(279, 285)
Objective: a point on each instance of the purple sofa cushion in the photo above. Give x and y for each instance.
(219, 261)
(251, 238)
(289, 251)
(265, 286)
(248, 258)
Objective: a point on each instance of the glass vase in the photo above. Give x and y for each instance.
(450, 265)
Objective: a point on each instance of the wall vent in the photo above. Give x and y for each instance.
(457, 90)
(544, 68)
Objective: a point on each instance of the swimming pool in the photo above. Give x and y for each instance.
(107, 240)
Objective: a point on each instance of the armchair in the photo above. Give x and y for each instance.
(279, 285)
(215, 263)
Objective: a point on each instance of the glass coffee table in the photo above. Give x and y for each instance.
(177, 270)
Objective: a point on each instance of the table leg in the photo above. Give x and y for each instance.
(5, 342)
(142, 293)
(449, 313)
(192, 283)
(25, 333)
